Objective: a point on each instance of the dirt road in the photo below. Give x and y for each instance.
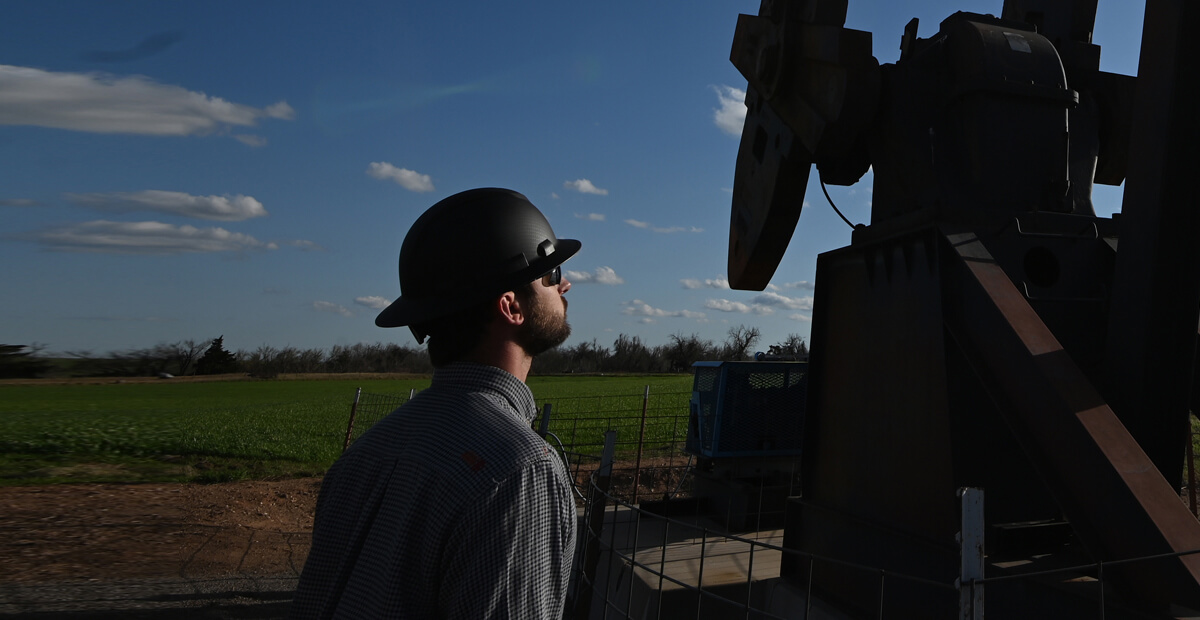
(153, 551)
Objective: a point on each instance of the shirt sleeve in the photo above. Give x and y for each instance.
(511, 554)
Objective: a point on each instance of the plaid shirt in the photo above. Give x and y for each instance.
(450, 507)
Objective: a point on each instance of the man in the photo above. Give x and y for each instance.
(452, 507)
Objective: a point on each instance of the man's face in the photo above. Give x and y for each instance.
(547, 325)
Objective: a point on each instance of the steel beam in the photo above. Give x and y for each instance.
(1119, 504)
(1156, 287)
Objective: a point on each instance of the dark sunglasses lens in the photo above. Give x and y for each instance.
(555, 275)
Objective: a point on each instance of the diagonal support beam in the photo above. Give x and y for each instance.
(1119, 504)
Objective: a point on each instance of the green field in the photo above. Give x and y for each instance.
(235, 430)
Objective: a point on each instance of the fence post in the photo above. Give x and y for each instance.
(350, 425)
(544, 426)
(970, 540)
(596, 505)
(637, 467)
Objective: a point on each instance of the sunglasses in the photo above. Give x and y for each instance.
(553, 277)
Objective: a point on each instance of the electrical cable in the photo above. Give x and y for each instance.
(562, 450)
(835, 209)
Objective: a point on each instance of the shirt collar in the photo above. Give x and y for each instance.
(473, 377)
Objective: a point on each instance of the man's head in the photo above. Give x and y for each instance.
(546, 326)
(466, 252)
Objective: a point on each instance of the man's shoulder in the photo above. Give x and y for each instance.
(460, 427)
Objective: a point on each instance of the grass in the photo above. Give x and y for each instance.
(234, 430)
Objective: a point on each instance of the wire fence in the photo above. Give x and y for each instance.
(635, 563)
(651, 427)
(641, 556)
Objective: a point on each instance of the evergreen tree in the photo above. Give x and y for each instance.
(216, 360)
(17, 362)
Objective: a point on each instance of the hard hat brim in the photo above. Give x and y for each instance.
(414, 311)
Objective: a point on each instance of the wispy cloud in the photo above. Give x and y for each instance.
(149, 46)
(731, 116)
(103, 103)
(591, 217)
(221, 208)
(332, 308)
(373, 302)
(143, 238)
(408, 179)
(18, 202)
(725, 305)
(251, 140)
(663, 229)
(305, 245)
(122, 319)
(692, 283)
(638, 307)
(602, 275)
(584, 186)
(800, 317)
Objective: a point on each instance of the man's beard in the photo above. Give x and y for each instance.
(543, 330)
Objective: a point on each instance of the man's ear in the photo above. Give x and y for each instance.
(511, 310)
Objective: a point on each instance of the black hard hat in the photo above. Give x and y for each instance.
(469, 247)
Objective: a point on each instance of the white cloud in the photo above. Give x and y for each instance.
(408, 179)
(143, 238)
(102, 103)
(692, 283)
(602, 275)
(725, 305)
(221, 208)
(591, 217)
(374, 302)
(667, 230)
(584, 186)
(731, 116)
(251, 140)
(791, 303)
(280, 110)
(638, 307)
(329, 306)
(554, 195)
(800, 284)
(800, 317)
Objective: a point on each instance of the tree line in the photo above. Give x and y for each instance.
(628, 354)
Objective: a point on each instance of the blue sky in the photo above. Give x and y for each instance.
(248, 169)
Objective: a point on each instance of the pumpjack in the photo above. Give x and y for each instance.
(986, 329)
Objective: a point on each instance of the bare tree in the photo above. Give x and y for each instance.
(185, 354)
(683, 351)
(738, 343)
(792, 347)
